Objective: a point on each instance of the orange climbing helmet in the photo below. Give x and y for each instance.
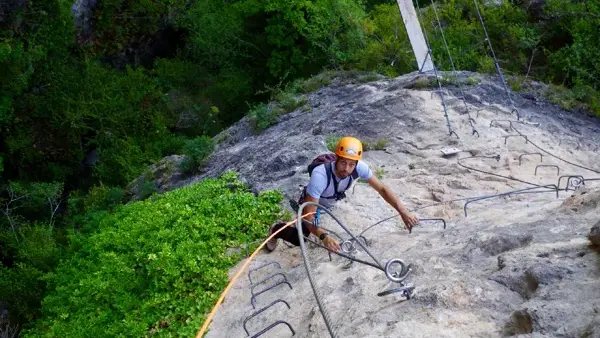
(350, 148)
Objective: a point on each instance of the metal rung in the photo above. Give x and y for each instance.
(431, 219)
(272, 326)
(509, 123)
(578, 178)
(516, 112)
(256, 313)
(547, 166)
(260, 267)
(523, 136)
(527, 154)
(267, 279)
(253, 298)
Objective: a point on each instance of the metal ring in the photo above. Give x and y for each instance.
(393, 276)
(348, 246)
(576, 182)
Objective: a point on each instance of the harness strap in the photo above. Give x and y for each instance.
(338, 195)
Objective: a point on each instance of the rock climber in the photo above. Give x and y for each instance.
(330, 176)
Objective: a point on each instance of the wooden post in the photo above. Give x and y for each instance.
(415, 35)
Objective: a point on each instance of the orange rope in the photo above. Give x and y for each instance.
(214, 310)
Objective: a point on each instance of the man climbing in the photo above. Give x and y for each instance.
(329, 179)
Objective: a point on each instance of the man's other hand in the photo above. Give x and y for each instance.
(410, 220)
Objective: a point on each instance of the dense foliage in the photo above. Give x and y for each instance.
(157, 265)
(149, 73)
(553, 42)
(86, 105)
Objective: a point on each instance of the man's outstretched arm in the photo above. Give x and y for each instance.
(410, 219)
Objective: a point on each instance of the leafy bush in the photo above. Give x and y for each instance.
(156, 267)
(376, 145)
(196, 151)
(379, 173)
(179, 74)
(332, 142)
(170, 145)
(263, 115)
(288, 101)
(368, 77)
(562, 97)
(22, 289)
(103, 198)
(313, 83)
(121, 160)
(119, 23)
(34, 252)
(147, 189)
(30, 201)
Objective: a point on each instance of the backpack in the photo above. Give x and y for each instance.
(327, 159)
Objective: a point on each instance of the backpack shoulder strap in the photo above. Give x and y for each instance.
(329, 174)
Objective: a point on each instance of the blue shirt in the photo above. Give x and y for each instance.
(317, 187)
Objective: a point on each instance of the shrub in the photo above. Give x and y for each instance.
(35, 252)
(156, 267)
(103, 198)
(288, 101)
(313, 83)
(368, 77)
(170, 145)
(332, 141)
(147, 189)
(377, 145)
(263, 116)
(196, 151)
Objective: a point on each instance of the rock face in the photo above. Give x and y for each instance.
(595, 234)
(516, 265)
(160, 177)
(411, 121)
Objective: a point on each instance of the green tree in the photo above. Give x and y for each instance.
(388, 50)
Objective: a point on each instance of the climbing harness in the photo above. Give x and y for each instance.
(317, 218)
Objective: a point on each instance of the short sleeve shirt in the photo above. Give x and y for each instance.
(317, 187)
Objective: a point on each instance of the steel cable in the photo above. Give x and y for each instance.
(487, 38)
(555, 156)
(497, 158)
(510, 97)
(307, 263)
(462, 93)
(429, 52)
